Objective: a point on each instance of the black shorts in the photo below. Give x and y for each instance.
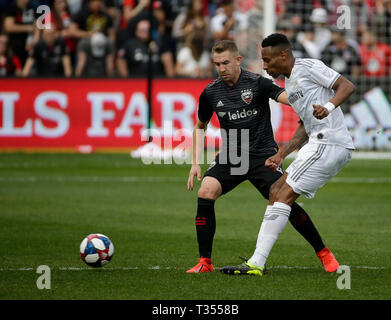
(261, 177)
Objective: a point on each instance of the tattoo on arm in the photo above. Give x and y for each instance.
(298, 139)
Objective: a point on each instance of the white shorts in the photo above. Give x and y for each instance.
(314, 166)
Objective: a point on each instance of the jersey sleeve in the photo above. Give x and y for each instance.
(323, 75)
(271, 89)
(205, 111)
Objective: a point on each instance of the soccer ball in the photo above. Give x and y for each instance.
(96, 250)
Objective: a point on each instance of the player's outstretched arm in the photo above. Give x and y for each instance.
(283, 98)
(198, 147)
(343, 89)
(298, 139)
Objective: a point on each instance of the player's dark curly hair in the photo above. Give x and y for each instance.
(275, 40)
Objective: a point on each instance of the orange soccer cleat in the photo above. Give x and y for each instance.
(330, 264)
(204, 265)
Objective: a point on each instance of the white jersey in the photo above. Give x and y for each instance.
(311, 83)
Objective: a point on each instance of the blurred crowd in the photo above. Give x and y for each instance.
(173, 38)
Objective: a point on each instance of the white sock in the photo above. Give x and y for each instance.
(273, 223)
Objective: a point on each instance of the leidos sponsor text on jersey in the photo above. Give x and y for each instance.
(241, 114)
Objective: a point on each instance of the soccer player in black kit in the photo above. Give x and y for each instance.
(241, 101)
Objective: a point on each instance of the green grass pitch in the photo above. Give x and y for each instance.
(50, 202)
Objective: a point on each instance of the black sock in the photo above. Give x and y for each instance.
(205, 226)
(301, 221)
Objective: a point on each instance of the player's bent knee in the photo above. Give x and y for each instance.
(276, 187)
(207, 193)
(273, 192)
(286, 195)
(210, 189)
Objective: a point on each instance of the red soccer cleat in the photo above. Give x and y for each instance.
(330, 264)
(204, 265)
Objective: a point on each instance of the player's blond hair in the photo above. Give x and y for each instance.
(225, 45)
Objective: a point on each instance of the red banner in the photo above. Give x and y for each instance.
(105, 114)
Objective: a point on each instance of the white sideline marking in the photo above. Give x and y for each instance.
(377, 155)
(54, 164)
(361, 155)
(34, 179)
(307, 267)
(175, 268)
(361, 180)
(92, 179)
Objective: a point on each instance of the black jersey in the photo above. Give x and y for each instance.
(245, 105)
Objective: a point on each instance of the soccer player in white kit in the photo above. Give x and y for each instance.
(315, 92)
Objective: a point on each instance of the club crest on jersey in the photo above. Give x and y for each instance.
(247, 96)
